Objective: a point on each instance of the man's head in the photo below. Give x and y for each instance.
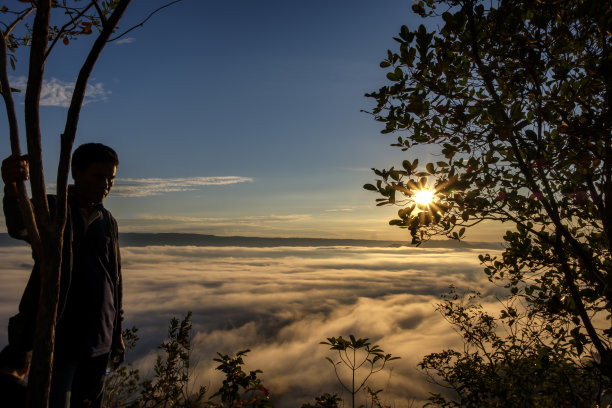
(93, 169)
(15, 361)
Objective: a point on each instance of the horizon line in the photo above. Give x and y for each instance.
(140, 239)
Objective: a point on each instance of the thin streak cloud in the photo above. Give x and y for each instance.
(249, 220)
(127, 40)
(146, 187)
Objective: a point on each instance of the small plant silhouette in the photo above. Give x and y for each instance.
(121, 385)
(254, 394)
(170, 386)
(325, 400)
(356, 354)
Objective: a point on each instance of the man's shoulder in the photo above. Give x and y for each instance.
(108, 214)
(111, 223)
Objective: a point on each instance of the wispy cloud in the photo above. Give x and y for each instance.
(127, 40)
(245, 220)
(357, 169)
(145, 187)
(56, 92)
(249, 225)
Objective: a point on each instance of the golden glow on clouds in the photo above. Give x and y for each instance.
(281, 302)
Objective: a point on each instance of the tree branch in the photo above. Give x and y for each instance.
(23, 15)
(549, 206)
(100, 13)
(72, 22)
(142, 23)
(573, 288)
(25, 205)
(8, 98)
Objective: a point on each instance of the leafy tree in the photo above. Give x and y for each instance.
(357, 355)
(41, 25)
(508, 360)
(516, 96)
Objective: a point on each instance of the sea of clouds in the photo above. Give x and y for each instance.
(281, 302)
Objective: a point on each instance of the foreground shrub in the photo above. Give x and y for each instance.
(171, 383)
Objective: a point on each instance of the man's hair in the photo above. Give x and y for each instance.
(89, 153)
(13, 358)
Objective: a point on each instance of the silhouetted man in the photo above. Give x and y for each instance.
(88, 331)
(14, 366)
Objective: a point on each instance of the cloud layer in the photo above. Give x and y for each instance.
(145, 187)
(281, 302)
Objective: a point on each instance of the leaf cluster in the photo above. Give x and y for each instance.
(240, 389)
(78, 18)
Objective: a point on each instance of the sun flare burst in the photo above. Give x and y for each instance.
(424, 197)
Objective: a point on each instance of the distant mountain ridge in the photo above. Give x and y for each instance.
(137, 239)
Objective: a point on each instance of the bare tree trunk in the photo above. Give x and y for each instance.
(39, 384)
(49, 258)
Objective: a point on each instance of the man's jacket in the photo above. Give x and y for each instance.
(21, 326)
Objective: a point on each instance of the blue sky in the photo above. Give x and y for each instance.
(239, 117)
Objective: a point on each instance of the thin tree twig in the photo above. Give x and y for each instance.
(100, 13)
(142, 23)
(23, 15)
(61, 31)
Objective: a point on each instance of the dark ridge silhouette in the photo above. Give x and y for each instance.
(137, 239)
(7, 241)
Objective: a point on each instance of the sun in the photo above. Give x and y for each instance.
(424, 197)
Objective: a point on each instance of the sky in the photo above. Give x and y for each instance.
(244, 117)
(238, 117)
(281, 302)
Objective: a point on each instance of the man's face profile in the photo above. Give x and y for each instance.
(94, 183)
